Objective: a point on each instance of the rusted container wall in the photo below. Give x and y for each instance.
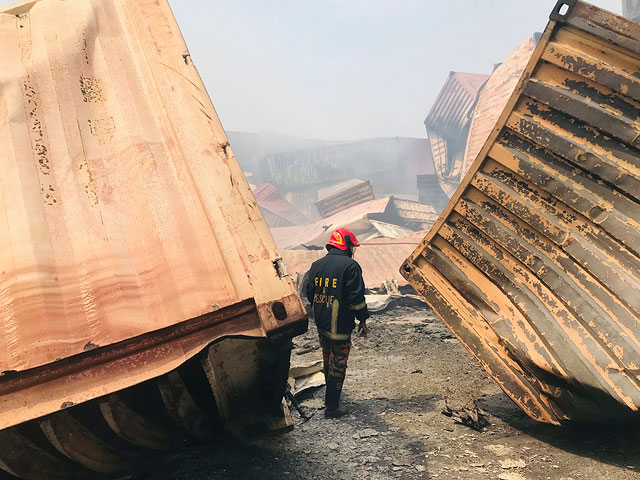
(129, 237)
(534, 264)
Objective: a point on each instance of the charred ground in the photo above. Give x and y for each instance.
(397, 383)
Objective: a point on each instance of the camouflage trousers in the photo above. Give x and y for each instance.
(335, 354)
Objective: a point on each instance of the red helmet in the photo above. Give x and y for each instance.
(343, 238)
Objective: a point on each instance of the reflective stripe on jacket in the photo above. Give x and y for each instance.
(335, 289)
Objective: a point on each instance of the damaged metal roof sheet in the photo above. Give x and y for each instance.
(276, 210)
(355, 218)
(447, 125)
(493, 97)
(414, 214)
(535, 263)
(337, 198)
(130, 239)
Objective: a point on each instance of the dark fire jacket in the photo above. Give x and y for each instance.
(335, 289)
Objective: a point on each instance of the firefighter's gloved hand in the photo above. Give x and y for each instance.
(363, 330)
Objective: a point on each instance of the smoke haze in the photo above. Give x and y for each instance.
(341, 70)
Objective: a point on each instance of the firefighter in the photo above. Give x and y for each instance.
(335, 289)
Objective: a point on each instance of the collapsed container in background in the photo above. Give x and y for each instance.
(142, 298)
(535, 263)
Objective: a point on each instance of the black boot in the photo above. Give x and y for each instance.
(332, 398)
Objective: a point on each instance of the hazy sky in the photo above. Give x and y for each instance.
(345, 69)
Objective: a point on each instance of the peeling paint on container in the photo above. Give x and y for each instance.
(535, 263)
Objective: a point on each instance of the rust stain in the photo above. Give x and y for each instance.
(92, 90)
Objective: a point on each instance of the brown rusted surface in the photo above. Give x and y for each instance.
(535, 263)
(130, 240)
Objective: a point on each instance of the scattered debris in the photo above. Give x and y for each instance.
(499, 450)
(511, 463)
(367, 432)
(390, 287)
(387, 217)
(382, 303)
(511, 476)
(299, 408)
(343, 195)
(305, 377)
(474, 417)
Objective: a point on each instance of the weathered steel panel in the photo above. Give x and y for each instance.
(535, 263)
(130, 240)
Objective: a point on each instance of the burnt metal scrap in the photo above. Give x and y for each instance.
(339, 197)
(535, 262)
(143, 302)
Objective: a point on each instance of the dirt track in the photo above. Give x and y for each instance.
(397, 383)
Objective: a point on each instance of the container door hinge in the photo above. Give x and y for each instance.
(281, 270)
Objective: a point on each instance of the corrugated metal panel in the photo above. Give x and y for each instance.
(448, 115)
(493, 98)
(346, 198)
(277, 211)
(334, 188)
(125, 215)
(535, 263)
(389, 230)
(355, 218)
(447, 124)
(408, 213)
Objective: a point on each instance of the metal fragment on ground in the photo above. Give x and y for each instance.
(535, 262)
(472, 417)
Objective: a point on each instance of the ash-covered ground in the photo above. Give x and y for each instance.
(398, 380)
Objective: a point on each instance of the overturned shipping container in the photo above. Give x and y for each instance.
(142, 298)
(535, 262)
